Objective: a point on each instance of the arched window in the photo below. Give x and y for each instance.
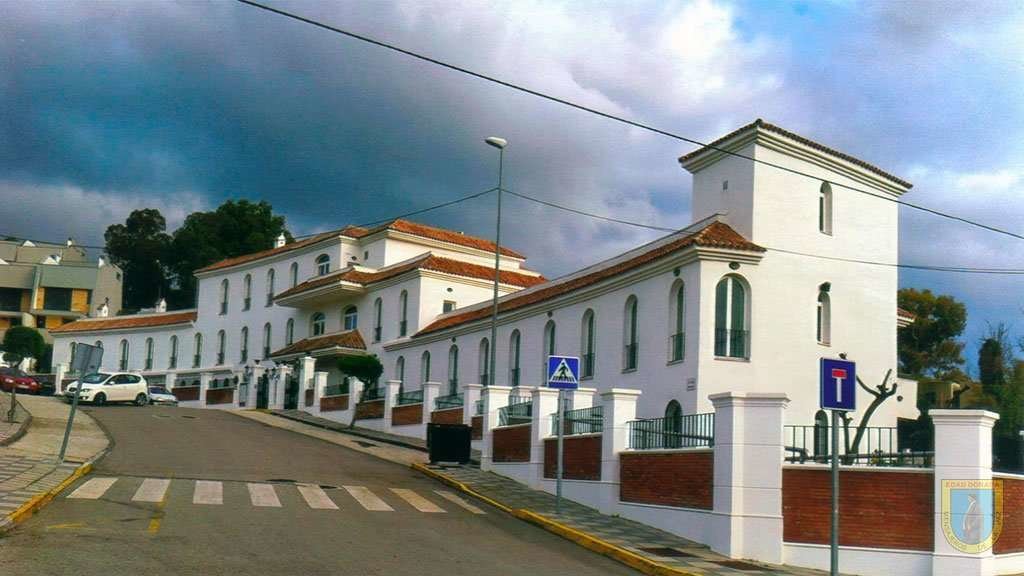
(587, 345)
(400, 373)
(484, 362)
(425, 366)
(197, 355)
(224, 288)
(99, 344)
(266, 340)
(513, 358)
(243, 346)
(123, 365)
(548, 349)
(270, 286)
(323, 264)
(630, 356)
(673, 425)
(453, 370)
(293, 273)
(732, 312)
(221, 343)
(824, 315)
(350, 318)
(677, 309)
(289, 332)
(172, 362)
(247, 292)
(825, 208)
(71, 351)
(149, 354)
(318, 324)
(377, 313)
(403, 313)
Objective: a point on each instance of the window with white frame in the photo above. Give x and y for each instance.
(323, 264)
(378, 306)
(825, 208)
(172, 362)
(824, 315)
(221, 344)
(289, 332)
(197, 351)
(425, 366)
(677, 309)
(403, 313)
(224, 290)
(270, 286)
(243, 347)
(247, 292)
(293, 273)
(350, 318)
(447, 306)
(266, 340)
(149, 354)
(453, 370)
(732, 313)
(123, 365)
(630, 356)
(588, 350)
(318, 324)
(484, 362)
(514, 343)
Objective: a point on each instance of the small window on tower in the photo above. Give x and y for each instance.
(825, 209)
(449, 305)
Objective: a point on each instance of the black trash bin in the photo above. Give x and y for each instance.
(449, 442)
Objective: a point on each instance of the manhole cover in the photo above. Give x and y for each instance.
(667, 552)
(365, 444)
(739, 565)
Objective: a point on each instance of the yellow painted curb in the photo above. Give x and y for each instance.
(617, 553)
(26, 510)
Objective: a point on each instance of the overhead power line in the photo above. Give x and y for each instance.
(614, 117)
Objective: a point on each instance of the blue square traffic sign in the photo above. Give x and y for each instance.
(838, 385)
(563, 372)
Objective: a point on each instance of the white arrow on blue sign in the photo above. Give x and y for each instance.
(563, 372)
(838, 385)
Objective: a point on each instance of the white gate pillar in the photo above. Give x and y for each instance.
(494, 397)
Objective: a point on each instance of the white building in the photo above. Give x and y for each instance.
(748, 298)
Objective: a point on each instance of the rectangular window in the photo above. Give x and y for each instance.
(449, 305)
(57, 298)
(721, 311)
(10, 299)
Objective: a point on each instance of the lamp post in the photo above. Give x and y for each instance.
(500, 144)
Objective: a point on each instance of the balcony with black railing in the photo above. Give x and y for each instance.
(732, 343)
(411, 397)
(448, 401)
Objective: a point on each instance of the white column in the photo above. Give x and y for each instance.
(390, 398)
(355, 390)
(748, 457)
(169, 379)
(277, 386)
(619, 407)
(431, 390)
(494, 397)
(204, 385)
(319, 386)
(58, 378)
(470, 394)
(963, 455)
(545, 403)
(307, 375)
(582, 397)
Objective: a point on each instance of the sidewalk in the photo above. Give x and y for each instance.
(648, 549)
(11, 431)
(29, 472)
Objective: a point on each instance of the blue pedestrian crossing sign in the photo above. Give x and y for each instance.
(563, 372)
(838, 385)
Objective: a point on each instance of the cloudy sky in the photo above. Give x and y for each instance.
(110, 106)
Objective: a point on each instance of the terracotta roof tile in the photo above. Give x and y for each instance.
(123, 322)
(714, 235)
(426, 262)
(759, 123)
(228, 262)
(350, 339)
(905, 314)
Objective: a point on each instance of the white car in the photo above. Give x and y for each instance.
(160, 395)
(102, 387)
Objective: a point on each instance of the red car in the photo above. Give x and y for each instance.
(12, 377)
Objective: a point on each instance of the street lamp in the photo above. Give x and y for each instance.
(500, 144)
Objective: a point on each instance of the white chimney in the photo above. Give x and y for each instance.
(70, 241)
(103, 311)
(281, 240)
(101, 262)
(161, 306)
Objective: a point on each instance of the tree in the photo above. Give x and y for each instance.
(366, 368)
(139, 247)
(22, 342)
(233, 229)
(994, 360)
(928, 346)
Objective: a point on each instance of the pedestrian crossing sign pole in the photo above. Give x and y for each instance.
(563, 374)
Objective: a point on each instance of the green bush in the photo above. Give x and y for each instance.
(23, 342)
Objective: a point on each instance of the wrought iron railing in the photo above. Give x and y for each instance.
(518, 412)
(879, 446)
(690, 431)
(732, 343)
(372, 393)
(478, 409)
(335, 389)
(677, 346)
(630, 356)
(580, 421)
(412, 397)
(448, 401)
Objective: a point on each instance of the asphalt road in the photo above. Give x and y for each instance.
(180, 456)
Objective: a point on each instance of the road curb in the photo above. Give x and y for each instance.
(21, 430)
(35, 503)
(588, 541)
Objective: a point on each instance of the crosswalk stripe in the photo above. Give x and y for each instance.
(316, 497)
(368, 499)
(263, 495)
(152, 490)
(416, 501)
(208, 492)
(453, 497)
(93, 489)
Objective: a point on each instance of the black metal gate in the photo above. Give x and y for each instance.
(263, 391)
(291, 393)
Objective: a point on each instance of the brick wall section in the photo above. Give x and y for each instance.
(581, 457)
(370, 410)
(876, 509)
(408, 414)
(309, 397)
(186, 394)
(1012, 538)
(448, 416)
(512, 444)
(333, 403)
(477, 425)
(679, 479)
(220, 396)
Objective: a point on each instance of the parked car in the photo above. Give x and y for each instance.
(14, 378)
(160, 395)
(102, 387)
